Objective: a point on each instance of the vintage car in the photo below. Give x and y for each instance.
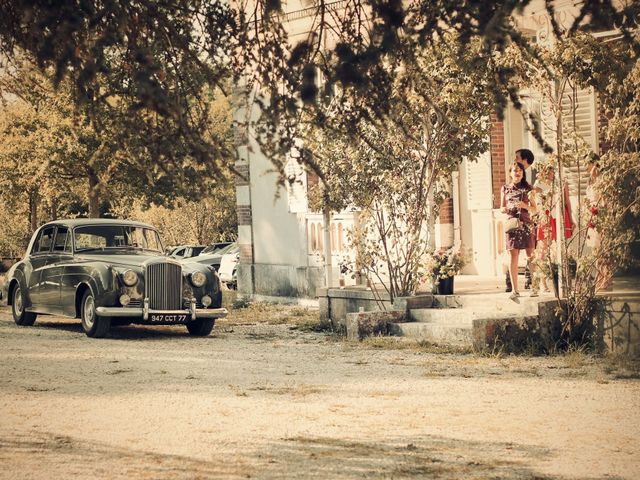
(110, 272)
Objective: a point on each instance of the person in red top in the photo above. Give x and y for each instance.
(546, 230)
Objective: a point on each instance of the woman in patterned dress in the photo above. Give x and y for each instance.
(516, 202)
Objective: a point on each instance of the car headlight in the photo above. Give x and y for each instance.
(198, 279)
(125, 299)
(130, 278)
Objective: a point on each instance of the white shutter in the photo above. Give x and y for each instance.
(585, 126)
(583, 122)
(478, 178)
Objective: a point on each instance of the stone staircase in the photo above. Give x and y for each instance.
(481, 316)
(463, 320)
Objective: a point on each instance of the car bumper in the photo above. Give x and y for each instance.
(145, 312)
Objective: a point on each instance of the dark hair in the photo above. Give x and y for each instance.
(526, 155)
(523, 181)
(594, 159)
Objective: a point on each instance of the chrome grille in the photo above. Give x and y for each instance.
(163, 286)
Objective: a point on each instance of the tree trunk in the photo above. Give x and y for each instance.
(54, 209)
(33, 210)
(94, 199)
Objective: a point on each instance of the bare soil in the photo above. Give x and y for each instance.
(267, 397)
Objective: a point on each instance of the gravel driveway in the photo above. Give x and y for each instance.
(263, 397)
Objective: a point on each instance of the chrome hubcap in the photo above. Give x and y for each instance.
(89, 312)
(17, 301)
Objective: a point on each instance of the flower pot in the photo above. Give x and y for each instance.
(445, 286)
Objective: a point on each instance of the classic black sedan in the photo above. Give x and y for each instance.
(110, 272)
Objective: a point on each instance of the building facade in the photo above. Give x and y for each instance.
(283, 243)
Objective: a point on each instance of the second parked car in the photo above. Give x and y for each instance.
(212, 259)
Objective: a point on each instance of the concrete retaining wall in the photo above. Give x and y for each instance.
(336, 303)
(621, 326)
(279, 280)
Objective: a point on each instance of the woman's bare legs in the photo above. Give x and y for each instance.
(513, 269)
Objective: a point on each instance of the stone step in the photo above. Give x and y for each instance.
(453, 316)
(466, 314)
(440, 333)
(491, 302)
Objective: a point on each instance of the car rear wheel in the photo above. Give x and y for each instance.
(20, 316)
(93, 325)
(201, 327)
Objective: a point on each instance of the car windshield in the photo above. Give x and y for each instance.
(224, 250)
(103, 237)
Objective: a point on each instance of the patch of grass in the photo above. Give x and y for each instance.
(416, 345)
(118, 371)
(301, 390)
(621, 367)
(576, 357)
(241, 312)
(38, 389)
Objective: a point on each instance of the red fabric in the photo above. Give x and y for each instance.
(542, 229)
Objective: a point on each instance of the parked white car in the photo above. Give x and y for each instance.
(228, 265)
(212, 259)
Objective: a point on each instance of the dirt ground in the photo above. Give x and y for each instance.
(266, 397)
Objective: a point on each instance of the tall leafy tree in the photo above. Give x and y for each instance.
(156, 57)
(398, 171)
(58, 146)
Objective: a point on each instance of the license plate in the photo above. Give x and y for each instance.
(168, 317)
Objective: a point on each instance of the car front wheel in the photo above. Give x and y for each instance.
(93, 325)
(201, 327)
(20, 315)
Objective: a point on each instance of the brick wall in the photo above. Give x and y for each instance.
(498, 174)
(446, 211)
(246, 254)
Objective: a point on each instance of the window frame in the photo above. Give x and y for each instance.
(36, 243)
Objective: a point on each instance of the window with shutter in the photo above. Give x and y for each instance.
(579, 116)
(478, 177)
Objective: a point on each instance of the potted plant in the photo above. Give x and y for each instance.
(442, 266)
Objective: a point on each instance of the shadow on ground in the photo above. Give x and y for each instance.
(51, 456)
(119, 332)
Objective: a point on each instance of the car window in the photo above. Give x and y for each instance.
(152, 240)
(89, 240)
(101, 237)
(178, 253)
(62, 243)
(44, 240)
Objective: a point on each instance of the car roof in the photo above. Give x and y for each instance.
(76, 222)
